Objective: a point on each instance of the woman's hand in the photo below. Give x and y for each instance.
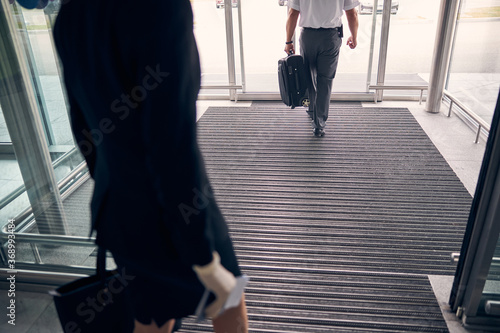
(219, 281)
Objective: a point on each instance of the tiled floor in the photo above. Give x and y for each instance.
(454, 139)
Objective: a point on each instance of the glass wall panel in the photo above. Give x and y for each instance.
(35, 34)
(27, 181)
(210, 33)
(474, 75)
(10, 176)
(263, 27)
(411, 43)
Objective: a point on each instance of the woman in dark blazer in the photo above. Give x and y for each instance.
(132, 77)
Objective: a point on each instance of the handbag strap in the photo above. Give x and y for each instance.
(101, 263)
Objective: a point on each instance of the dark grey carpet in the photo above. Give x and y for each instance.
(338, 233)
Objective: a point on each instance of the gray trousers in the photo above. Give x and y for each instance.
(320, 49)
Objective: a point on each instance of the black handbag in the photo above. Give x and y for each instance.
(96, 303)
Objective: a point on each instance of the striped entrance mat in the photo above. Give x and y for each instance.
(337, 233)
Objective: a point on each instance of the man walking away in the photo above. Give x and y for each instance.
(320, 41)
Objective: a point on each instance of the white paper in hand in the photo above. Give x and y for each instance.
(232, 301)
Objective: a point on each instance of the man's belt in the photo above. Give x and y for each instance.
(308, 28)
(340, 30)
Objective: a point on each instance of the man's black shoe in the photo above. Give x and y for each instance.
(319, 132)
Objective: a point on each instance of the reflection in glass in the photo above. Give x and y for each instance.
(34, 31)
(474, 76)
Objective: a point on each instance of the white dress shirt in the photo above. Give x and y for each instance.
(321, 13)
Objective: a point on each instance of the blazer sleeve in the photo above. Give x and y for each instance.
(170, 66)
(77, 119)
(79, 126)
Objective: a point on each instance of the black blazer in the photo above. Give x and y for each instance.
(132, 76)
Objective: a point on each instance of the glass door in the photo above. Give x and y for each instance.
(214, 23)
(410, 44)
(475, 295)
(263, 35)
(386, 43)
(263, 31)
